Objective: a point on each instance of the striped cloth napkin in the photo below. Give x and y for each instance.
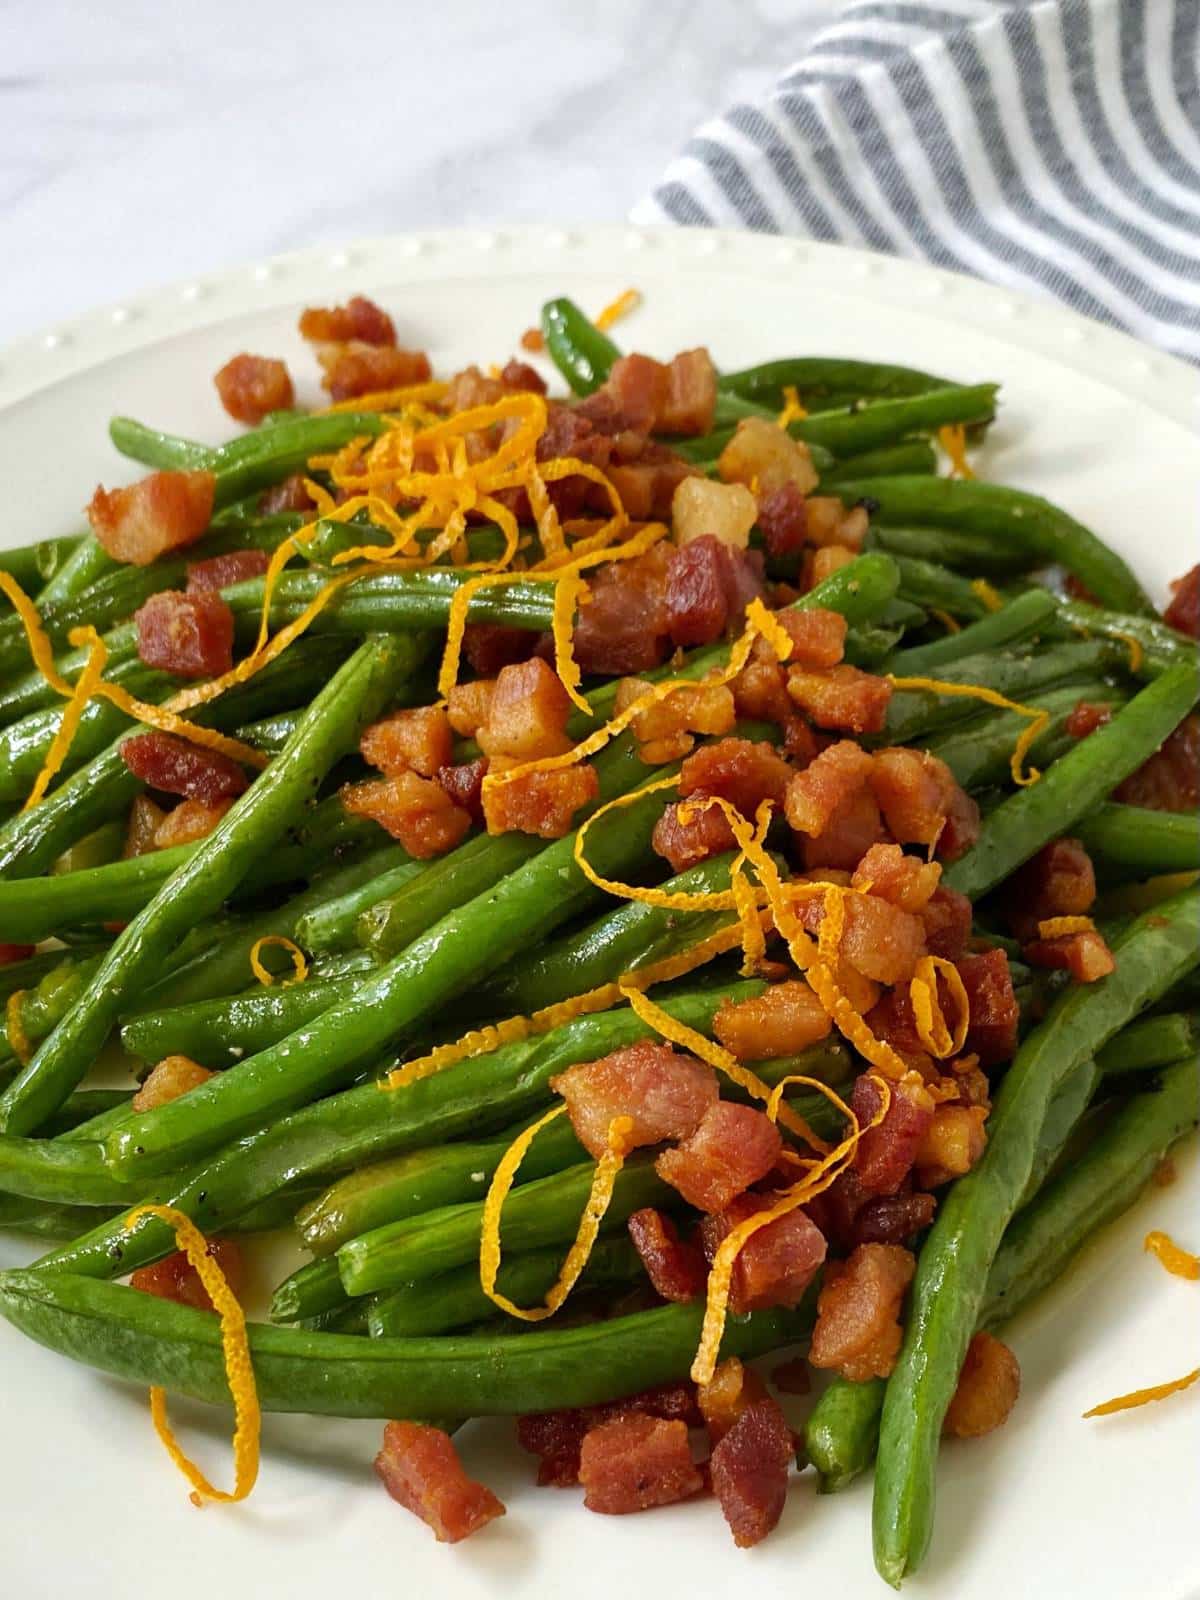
(1051, 146)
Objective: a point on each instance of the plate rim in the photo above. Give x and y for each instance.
(1165, 383)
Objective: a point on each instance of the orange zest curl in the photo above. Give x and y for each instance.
(953, 439)
(390, 399)
(86, 685)
(1137, 653)
(264, 975)
(14, 1027)
(1178, 1261)
(239, 1370)
(792, 411)
(932, 1029)
(628, 300)
(1059, 927)
(604, 1178)
(991, 599)
(951, 624)
(1143, 1397)
(1039, 720)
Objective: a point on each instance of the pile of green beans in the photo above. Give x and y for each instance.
(385, 1186)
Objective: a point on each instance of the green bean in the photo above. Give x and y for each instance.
(1162, 646)
(815, 378)
(842, 1431)
(1097, 1186)
(1070, 1101)
(43, 1006)
(1075, 784)
(935, 587)
(543, 1212)
(1016, 621)
(977, 554)
(61, 1171)
(883, 422)
(362, 1124)
(84, 1109)
(32, 564)
(148, 1340)
(426, 1180)
(331, 726)
(270, 734)
(1026, 521)
(456, 1300)
(87, 564)
(979, 751)
(915, 713)
(576, 345)
(951, 1279)
(1142, 841)
(311, 1291)
(29, 973)
(1151, 1042)
(904, 459)
(40, 1219)
(332, 926)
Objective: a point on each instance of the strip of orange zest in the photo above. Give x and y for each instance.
(264, 975)
(953, 439)
(1182, 1263)
(1136, 652)
(1143, 1397)
(14, 1027)
(720, 1277)
(991, 599)
(927, 1006)
(165, 719)
(628, 300)
(605, 1176)
(389, 399)
(86, 686)
(811, 1137)
(851, 1025)
(951, 624)
(239, 1370)
(570, 589)
(668, 1027)
(1039, 720)
(792, 411)
(40, 647)
(456, 623)
(1058, 927)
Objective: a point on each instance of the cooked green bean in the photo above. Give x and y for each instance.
(1140, 841)
(816, 378)
(934, 587)
(908, 457)
(977, 555)
(332, 926)
(1161, 646)
(979, 751)
(576, 345)
(1151, 1042)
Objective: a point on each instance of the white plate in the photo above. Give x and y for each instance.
(1050, 1507)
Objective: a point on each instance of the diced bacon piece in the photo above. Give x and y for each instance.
(488, 646)
(527, 716)
(857, 1331)
(420, 1468)
(776, 1264)
(885, 1154)
(647, 484)
(1170, 779)
(173, 1076)
(624, 627)
(191, 821)
(290, 495)
(165, 511)
(15, 952)
(189, 634)
(691, 396)
(220, 572)
(665, 729)
(665, 1092)
(145, 819)
(556, 1436)
(995, 1014)
(470, 388)
(533, 340)
(739, 770)
(414, 810)
(906, 881)
(468, 706)
(359, 318)
(816, 795)
(675, 1267)
(947, 920)
(567, 434)
(686, 844)
(637, 387)
(709, 584)
(972, 1082)
(733, 1147)
(988, 1386)
(1086, 717)
(636, 1462)
(841, 698)
(250, 386)
(831, 524)
(893, 1218)
(847, 837)
(764, 457)
(732, 1389)
(818, 636)
(749, 1468)
(727, 511)
(520, 378)
(879, 940)
(464, 784)
(420, 740)
(1085, 956)
(962, 825)
(783, 520)
(760, 689)
(543, 803)
(1060, 881)
(909, 791)
(894, 1021)
(951, 1145)
(176, 767)
(1183, 612)
(174, 1277)
(356, 368)
(782, 1022)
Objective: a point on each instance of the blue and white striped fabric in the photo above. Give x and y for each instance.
(1051, 146)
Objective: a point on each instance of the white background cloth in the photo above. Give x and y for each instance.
(143, 141)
